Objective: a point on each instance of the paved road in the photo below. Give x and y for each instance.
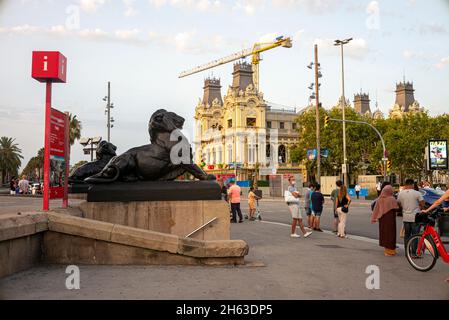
(279, 267)
(358, 222)
(15, 204)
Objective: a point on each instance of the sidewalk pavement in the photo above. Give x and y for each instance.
(279, 267)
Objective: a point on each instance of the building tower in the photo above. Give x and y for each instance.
(362, 103)
(405, 95)
(212, 91)
(242, 76)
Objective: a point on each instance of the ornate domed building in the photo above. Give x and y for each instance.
(242, 130)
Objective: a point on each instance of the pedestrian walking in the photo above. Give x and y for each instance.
(308, 204)
(292, 199)
(358, 188)
(224, 191)
(24, 185)
(12, 186)
(334, 198)
(343, 202)
(234, 197)
(378, 188)
(252, 197)
(385, 213)
(317, 207)
(411, 202)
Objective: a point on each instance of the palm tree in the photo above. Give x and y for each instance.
(10, 157)
(75, 129)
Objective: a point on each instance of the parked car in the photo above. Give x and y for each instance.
(429, 195)
(36, 188)
(432, 195)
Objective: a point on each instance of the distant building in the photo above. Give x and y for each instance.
(362, 104)
(405, 101)
(242, 131)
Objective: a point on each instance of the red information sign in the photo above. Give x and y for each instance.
(58, 148)
(51, 67)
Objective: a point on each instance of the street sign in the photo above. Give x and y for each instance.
(58, 154)
(49, 67)
(438, 154)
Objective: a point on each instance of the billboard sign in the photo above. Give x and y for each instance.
(438, 155)
(58, 151)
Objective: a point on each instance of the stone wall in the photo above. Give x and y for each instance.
(58, 237)
(173, 217)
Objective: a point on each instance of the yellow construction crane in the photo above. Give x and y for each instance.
(255, 52)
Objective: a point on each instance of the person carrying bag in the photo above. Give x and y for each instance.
(292, 199)
(343, 202)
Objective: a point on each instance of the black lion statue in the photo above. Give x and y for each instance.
(152, 162)
(105, 152)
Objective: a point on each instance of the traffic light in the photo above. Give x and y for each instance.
(389, 164)
(327, 120)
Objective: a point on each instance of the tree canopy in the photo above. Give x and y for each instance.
(405, 141)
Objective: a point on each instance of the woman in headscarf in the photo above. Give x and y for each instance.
(385, 213)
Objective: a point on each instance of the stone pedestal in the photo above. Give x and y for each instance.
(172, 207)
(173, 217)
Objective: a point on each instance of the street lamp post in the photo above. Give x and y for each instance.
(316, 95)
(341, 43)
(109, 106)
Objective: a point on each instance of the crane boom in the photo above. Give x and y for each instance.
(233, 57)
(254, 51)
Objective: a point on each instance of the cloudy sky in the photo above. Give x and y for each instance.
(142, 45)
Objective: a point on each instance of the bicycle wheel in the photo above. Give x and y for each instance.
(428, 256)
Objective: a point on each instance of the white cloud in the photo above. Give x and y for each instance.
(432, 28)
(298, 35)
(357, 48)
(443, 62)
(191, 42)
(199, 5)
(127, 34)
(91, 6)
(411, 54)
(248, 7)
(158, 3)
(313, 6)
(130, 10)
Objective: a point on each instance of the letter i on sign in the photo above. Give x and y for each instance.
(45, 63)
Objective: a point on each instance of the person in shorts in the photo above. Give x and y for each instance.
(295, 211)
(317, 207)
(308, 204)
(334, 197)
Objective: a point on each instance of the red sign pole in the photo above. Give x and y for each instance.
(46, 204)
(65, 200)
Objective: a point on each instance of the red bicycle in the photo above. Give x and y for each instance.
(423, 250)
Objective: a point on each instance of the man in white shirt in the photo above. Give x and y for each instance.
(411, 202)
(24, 185)
(358, 188)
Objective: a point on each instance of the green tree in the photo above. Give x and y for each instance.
(75, 129)
(10, 157)
(35, 165)
(78, 164)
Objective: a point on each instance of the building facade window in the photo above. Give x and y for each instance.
(281, 125)
(230, 123)
(251, 122)
(230, 153)
(282, 154)
(268, 151)
(294, 126)
(219, 157)
(269, 124)
(251, 153)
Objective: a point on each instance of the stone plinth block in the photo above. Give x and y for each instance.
(178, 218)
